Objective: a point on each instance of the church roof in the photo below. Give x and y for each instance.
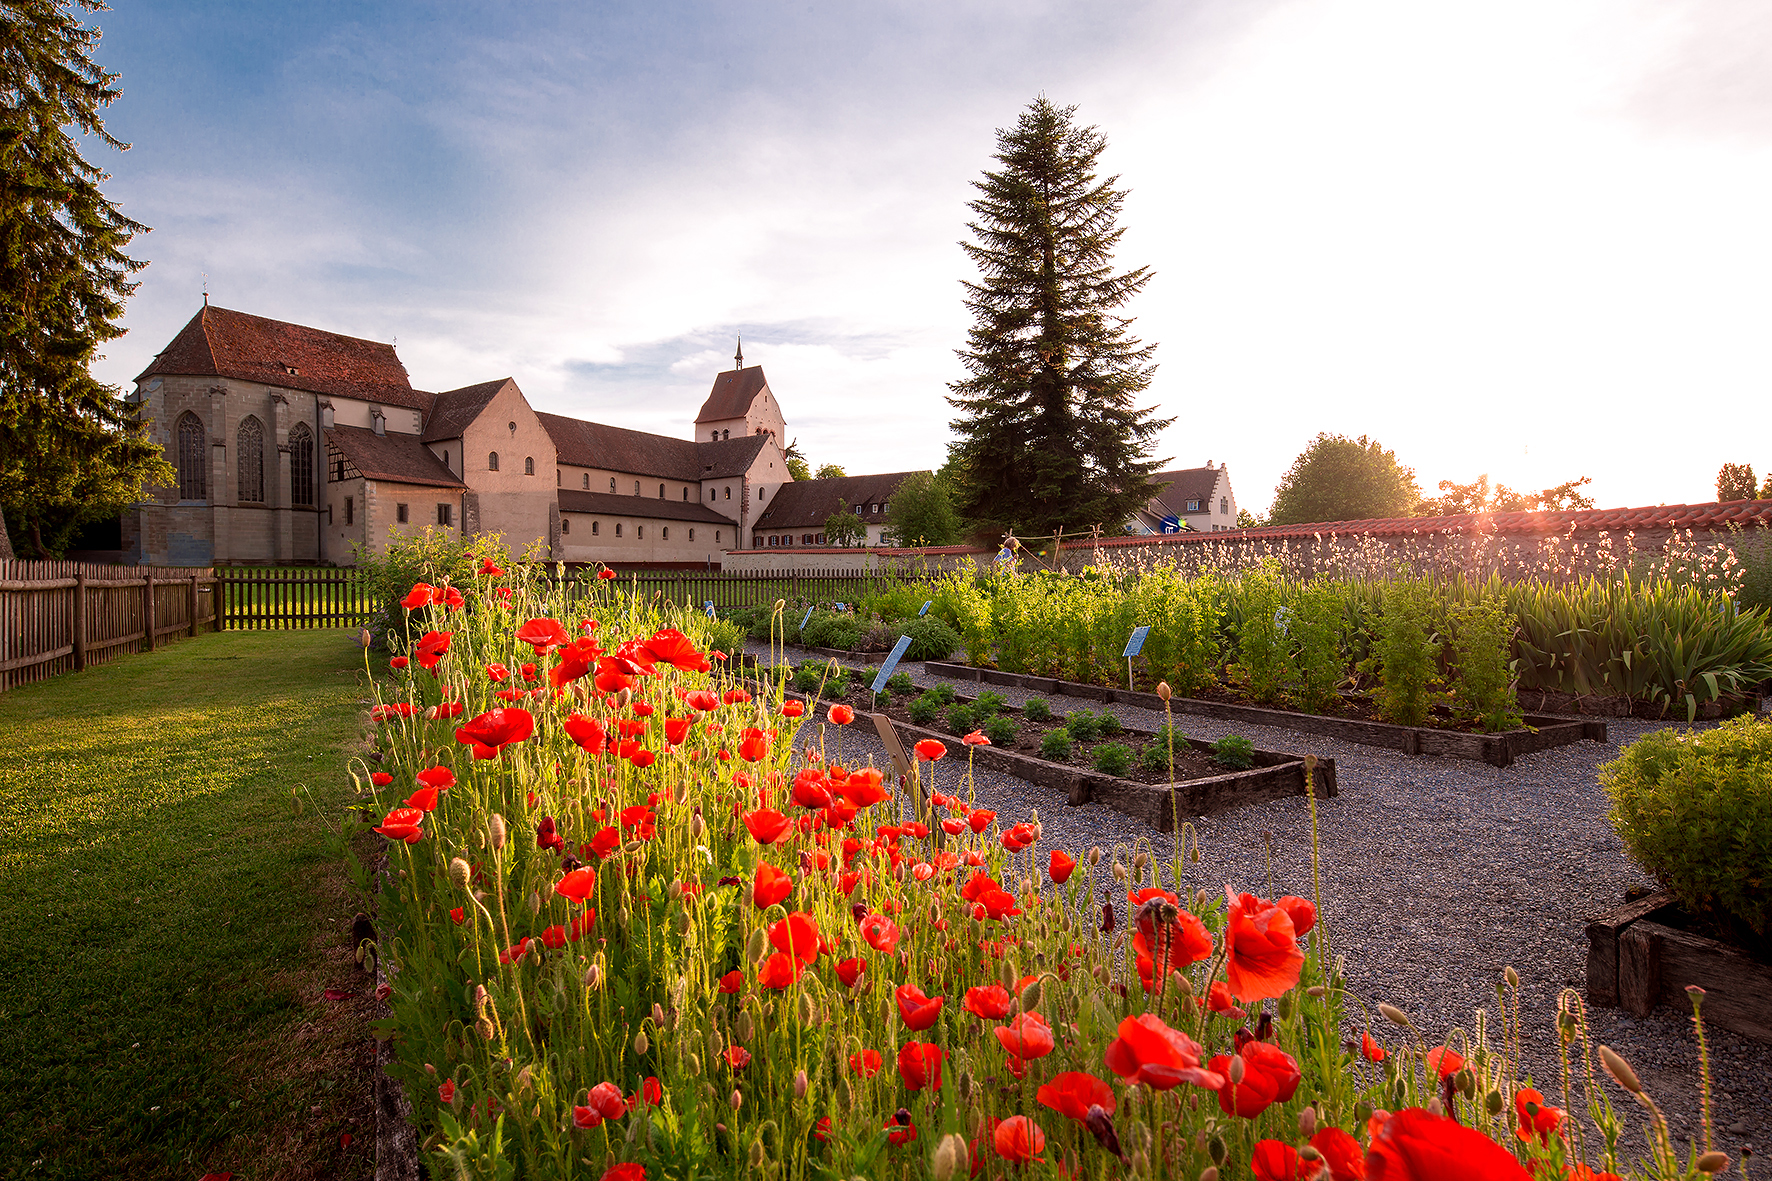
(806, 503)
(596, 444)
(400, 458)
(733, 393)
(222, 343)
(611, 504)
(455, 410)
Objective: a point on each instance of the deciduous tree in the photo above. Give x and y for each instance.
(923, 511)
(1049, 432)
(1736, 482)
(1341, 479)
(841, 528)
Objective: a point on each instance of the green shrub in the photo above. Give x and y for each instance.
(1407, 654)
(900, 683)
(1235, 752)
(756, 622)
(809, 676)
(1056, 745)
(924, 709)
(724, 635)
(1002, 731)
(1083, 725)
(828, 629)
(1109, 724)
(430, 556)
(1113, 758)
(960, 718)
(931, 639)
(1483, 687)
(989, 703)
(1035, 709)
(1318, 664)
(1695, 811)
(1263, 642)
(944, 693)
(1155, 757)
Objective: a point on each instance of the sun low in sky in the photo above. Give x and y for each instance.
(1529, 239)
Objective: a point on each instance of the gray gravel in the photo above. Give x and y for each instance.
(1437, 874)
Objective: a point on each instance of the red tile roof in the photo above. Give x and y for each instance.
(402, 459)
(614, 448)
(222, 343)
(610, 504)
(806, 504)
(733, 393)
(456, 409)
(1711, 516)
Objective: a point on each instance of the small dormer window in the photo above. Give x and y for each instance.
(292, 371)
(858, 510)
(1193, 506)
(873, 508)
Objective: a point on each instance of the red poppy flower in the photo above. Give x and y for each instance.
(1301, 911)
(1188, 943)
(1028, 1036)
(701, 699)
(1416, 1145)
(446, 1092)
(418, 596)
(458, 916)
(380, 778)
(737, 1057)
(1019, 1138)
(1444, 1062)
(424, 799)
(582, 924)
(1264, 959)
(732, 981)
(672, 647)
(792, 709)
(1018, 837)
(403, 824)
(544, 635)
(584, 1119)
(754, 745)
(1073, 1093)
(841, 715)
(1219, 1000)
(447, 709)
(866, 1063)
(980, 819)
(899, 1133)
(779, 971)
(766, 825)
(1269, 1076)
(919, 1065)
(919, 1011)
(770, 885)
(1341, 1152)
(1148, 1051)
(991, 1001)
(1538, 1119)
(578, 885)
(1060, 867)
(865, 787)
(430, 649)
(880, 932)
(488, 569)
(627, 1170)
(928, 750)
(1275, 1161)
(614, 675)
(605, 1099)
(976, 738)
(393, 709)
(496, 729)
(1369, 1048)
(850, 970)
(441, 778)
(810, 789)
(606, 841)
(796, 935)
(735, 697)
(587, 732)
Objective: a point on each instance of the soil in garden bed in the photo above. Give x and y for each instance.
(1353, 706)
(1719, 926)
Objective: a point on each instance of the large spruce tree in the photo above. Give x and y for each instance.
(71, 450)
(1049, 433)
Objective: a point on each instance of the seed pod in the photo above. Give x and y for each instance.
(674, 891)
(534, 902)
(1120, 874)
(641, 1045)
(1139, 861)
(1713, 1162)
(1309, 1153)
(800, 1084)
(694, 1065)
(1466, 1082)
(594, 977)
(757, 945)
(1494, 1103)
(658, 1014)
(1284, 1005)
(1512, 977)
(633, 846)
(845, 1095)
(1435, 1107)
(716, 1043)
(1236, 1069)
(1215, 1147)
(1006, 973)
(1316, 991)
(460, 873)
(1362, 1112)
(495, 831)
(756, 1150)
(1030, 996)
(1307, 1122)
(680, 793)
(1620, 1070)
(745, 1028)
(1393, 1014)
(806, 1010)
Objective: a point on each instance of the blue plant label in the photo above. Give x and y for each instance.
(1135, 643)
(885, 672)
(1282, 617)
(804, 618)
(710, 607)
(926, 607)
(838, 607)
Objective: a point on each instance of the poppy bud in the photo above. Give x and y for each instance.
(716, 1043)
(674, 891)
(1209, 1173)
(1164, 691)
(623, 698)
(641, 1045)
(681, 922)
(799, 1084)
(756, 945)
(1284, 1006)
(680, 793)
(1006, 973)
(1713, 1162)
(1393, 1014)
(429, 1069)
(495, 831)
(1494, 1103)
(697, 825)
(951, 1158)
(1512, 977)
(780, 604)
(1139, 861)
(1095, 856)
(1215, 1147)
(1307, 1122)
(1120, 874)
(460, 873)
(1620, 1070)
(1466, 1082)
(1030, 996)
(1236, 1069)
(524, 1077)
(1435, 1107)
(534, 902)
(806, 1010)
(737, 1101)
(966, 1085)
(594, 977)
(484, 1028)
(633, 846)
(694, 1064)
(1309, 1153)
(1183, 983)
(844, 1096)
(1362, 1112)
(1316, 991)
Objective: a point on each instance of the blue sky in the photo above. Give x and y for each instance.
(1522, 238)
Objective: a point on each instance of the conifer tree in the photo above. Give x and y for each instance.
(1049, 434)
(71, 450)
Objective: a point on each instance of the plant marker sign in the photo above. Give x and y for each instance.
(804, 618)
(885, 672)
(710, 608)
(928, 604)
(1134, 645)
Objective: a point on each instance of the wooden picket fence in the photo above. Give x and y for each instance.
(283, 599)
(57, 617)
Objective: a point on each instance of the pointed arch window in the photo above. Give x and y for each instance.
(249, 455)
(301, 464)
(193, 483)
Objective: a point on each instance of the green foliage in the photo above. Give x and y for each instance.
(72, 451)
(1695, 811)
(923, 511)
(1235, 752)
(1083, 725)
(924, 709)
(1315, 629)
(944, 693)
(1342, 479)
(989, 702)
(1048, 432)
(1735, 481)
(1263, 647)
(899, 683)
(809, 676)
(1036, 709)
(1407, 652)
(1108, 724)
(797, 468)
(435, 556)
(1483, 687)
(1055, 745)
(726, 636)
(1479, 497)
(961, 602)
(1113, 758)
(832, 629)
(1002, 730)
(931, 639)
(830, 471)
(1155, 756)
(845, 528)
(961, 718)
(1183, 614)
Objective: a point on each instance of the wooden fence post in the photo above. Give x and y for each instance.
(193, 606)
(148, 609)
(79, 618)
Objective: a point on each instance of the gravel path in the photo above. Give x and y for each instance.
(1437, 874)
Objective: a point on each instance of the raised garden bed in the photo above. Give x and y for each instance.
(1641, 955)
(1500, 750)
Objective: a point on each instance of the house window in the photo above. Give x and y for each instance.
(301, 464)
(716, 537)
(639, 533)
(665, 533)
(446, 460)
(821, 540)
(596, 527)
(1224, 505)
(714, 436)
(692, 535)
(725, 434)
(193, 483)
(249, 448)
(728, 493)
(1193, 506)
(400, 513)
(529, 465)
(492, 462)
(762, 493)
(873, 508)
(618, 528)
(445, 514)
(612, 483)
(636, 487)
(858, 510)
(587, 481)
(565, 525)
(350, 510)
(757, 541)
(661, 491)
(685, 492)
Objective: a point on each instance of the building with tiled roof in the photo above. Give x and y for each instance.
(797, 516)
(294, 444)
(1196, 498)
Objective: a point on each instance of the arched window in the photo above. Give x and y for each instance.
(728, 493)
(193, 484)
(596, 527)
(714, 435)
(692, 535)
(587, 481)
(661, 491)
(725, 434)
(639, 533)
(636, 487)
(565, 524)
(249, 453)
(301, 464)
(529, 465)
(492, 462)
(612, 483)
(667, 533)
(618, 528)
(685, 492)
(716, 537)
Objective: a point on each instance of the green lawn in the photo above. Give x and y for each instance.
(168, 924)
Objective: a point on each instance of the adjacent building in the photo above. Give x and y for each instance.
(1196, 499)
(798, 515)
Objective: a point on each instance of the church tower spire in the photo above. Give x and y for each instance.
(738, 357)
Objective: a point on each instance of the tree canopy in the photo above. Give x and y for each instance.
(1337, 478)
(1736, 482)
(923, 511)
(1049, 433)
(829, 471)
(1479, 497)
(841, 528)
(71, 449)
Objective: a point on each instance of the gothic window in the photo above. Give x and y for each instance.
(301, 464)
(193, 483)
(612, 483)
(249, 453)
(587, 481)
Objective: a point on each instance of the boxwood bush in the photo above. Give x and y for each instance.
(961, 718)
(1695, 810)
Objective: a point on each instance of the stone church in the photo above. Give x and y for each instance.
(296, 445)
